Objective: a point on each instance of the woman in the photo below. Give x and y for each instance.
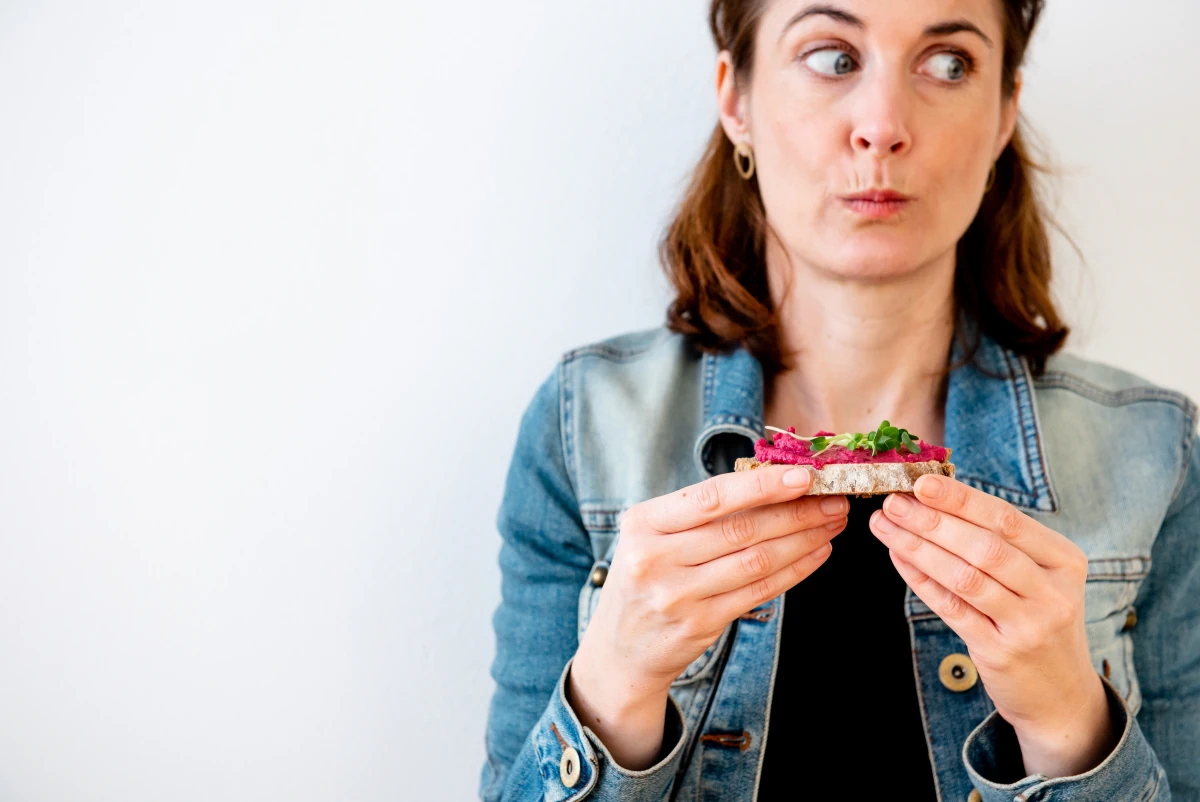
(861, 241)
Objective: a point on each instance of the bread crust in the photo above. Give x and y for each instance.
(863, 478)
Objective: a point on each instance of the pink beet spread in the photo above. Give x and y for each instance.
(790, 451)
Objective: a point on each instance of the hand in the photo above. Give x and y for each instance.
(686, 565)
(1013, 590)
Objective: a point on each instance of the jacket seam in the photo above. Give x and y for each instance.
(689, 749)
(613, 353)
(1030, 429)
(1061, 380)
(564, 424)
(710, 370)
(996, 485)
(1189, 439)
(925, 721)
(766, 733)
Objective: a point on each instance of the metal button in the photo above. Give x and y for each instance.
(1130, 619)
(958, 673)
(599, 574)
(974, 796)
(568, 767)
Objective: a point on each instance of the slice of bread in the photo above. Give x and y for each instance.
(863, 478)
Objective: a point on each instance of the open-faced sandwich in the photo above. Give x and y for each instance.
(887, 460)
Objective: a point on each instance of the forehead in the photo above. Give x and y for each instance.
(907, 17)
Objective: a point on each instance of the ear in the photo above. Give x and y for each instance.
(1008, 115)
(731, 105)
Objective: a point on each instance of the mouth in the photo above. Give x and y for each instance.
(877, 203)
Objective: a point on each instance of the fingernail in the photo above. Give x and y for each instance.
(834, 505)
(931, 487)
(831, 526)
(797, 477)
(899, 505)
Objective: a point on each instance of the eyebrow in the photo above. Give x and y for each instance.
(841, 15)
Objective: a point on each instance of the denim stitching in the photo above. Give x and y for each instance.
(710, 363)
(565, 401)
(1042, 479)
(1130, 670)
(912, 639)
(1029, 432)
(762, 751)
(1151, 790)
(1059, 380)
(1018, 497)
(1188, 440)
(613, 353)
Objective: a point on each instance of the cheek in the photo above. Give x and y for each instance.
(797, 175)
(958, 151)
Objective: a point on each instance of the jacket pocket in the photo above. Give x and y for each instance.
(1109, 616)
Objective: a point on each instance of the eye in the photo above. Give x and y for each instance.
(951, 67)
(829, 61)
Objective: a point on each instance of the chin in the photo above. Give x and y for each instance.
(881, 257)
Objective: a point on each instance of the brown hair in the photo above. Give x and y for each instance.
(713, 252)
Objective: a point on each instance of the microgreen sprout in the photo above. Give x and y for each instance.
(883, 439)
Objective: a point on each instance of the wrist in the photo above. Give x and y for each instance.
(630, 724)
(1076, 742)
(610, 688)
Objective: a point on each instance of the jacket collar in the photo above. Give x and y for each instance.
(992, 424)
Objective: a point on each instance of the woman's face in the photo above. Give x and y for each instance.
(852, 96)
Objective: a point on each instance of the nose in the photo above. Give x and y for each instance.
(879, 126)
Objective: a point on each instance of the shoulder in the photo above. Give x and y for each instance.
(631, 366)
(1087, 398)
(617, 395)
(628, 374)
(631, 346)
(1107, 384)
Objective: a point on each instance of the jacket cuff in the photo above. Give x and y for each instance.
(992, 756)
(600, 778)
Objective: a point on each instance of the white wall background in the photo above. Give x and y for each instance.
(276, 281)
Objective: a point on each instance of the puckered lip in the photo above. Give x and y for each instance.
(879, 196)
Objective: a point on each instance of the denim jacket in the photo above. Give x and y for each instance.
(638, 415)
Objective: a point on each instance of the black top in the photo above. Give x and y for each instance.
(844, 711)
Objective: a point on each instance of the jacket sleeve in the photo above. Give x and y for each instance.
(534, 740)
(1158, 755)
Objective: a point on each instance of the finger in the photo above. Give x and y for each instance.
(749, 565)
(729, 605)
(721, 495)
(950, 571)
(980, 547)
(967, 622)
(1043, 545)
(744, 529)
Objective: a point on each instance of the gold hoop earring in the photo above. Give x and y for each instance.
(742, 151)
(991, 179)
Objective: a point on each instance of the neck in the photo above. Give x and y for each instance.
(870, 349)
